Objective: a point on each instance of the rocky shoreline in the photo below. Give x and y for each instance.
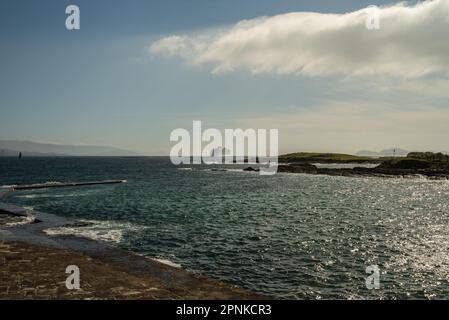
(382, 171)
(30, 271)
(33, 265)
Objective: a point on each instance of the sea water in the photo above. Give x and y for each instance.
(290, 236)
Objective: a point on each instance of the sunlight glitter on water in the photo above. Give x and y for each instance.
(289, 235)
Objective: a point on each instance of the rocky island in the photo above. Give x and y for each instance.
(427, 164)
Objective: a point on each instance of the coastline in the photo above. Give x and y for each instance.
(33, 265)
(307, 168)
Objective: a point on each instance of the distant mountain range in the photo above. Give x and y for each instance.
(11, 148)
(384, 153)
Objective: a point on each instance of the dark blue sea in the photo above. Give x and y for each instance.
(290, 236)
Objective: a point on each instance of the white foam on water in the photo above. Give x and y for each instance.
(240, 170)
(108, 231)
(28, 196)
(36, 196)
(10, 220)
(57, 195)
(168, 262)
(22, 220)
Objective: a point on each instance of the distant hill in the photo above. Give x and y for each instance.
(367, 153)
(14, 153)
(384, 153)
(28, 148)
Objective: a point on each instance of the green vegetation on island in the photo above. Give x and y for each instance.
(429, 164)
(418, 161)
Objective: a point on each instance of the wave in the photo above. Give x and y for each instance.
(38, 196)
(58, 195)
(167, 262)
(108, 231)
(9, 221)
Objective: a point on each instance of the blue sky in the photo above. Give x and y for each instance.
(102, 84)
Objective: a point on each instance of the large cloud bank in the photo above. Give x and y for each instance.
(413, 40)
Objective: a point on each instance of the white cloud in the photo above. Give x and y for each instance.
(413, 40)
(170, 45)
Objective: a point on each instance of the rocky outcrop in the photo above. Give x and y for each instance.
(405, 164)
(394, 168)
(429, 156)
(251, 169)
(428, 164)
(298, 168)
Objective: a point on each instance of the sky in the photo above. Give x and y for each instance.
(137, 70)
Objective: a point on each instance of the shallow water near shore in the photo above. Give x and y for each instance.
(288, 235)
